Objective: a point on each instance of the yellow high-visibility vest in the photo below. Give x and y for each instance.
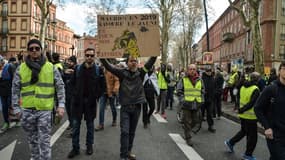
(41, 94)
(245, 95)
(162, 84)
(233, 78)
(192, 93)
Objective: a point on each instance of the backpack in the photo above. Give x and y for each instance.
(79, 66)
(6, 75)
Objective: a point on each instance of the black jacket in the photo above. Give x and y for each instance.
(131, 89)
(270, 109)
(6, 85)
(209, 86)
(82, 104)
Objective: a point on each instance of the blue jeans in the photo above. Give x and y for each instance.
(129, 117)
(6, 103)
(102, 106)
(276, 148)
(76, 133)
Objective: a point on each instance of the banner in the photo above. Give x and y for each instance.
(132, 34)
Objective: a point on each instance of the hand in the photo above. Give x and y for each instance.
(268, 133)
(69, 71)
(60, 111)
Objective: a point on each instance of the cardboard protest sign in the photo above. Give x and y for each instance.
(132, 34)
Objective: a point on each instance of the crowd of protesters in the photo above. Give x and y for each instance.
(28, 93)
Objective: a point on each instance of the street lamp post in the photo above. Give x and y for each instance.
(72, 49)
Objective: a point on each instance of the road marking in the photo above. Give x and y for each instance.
(7, 152)
(190, 153)
(159, 118)
(58, 133)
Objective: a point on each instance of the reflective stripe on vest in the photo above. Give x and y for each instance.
(161, 81)
(245, 95)
(233, 78)
(41, 94)
(192, 93)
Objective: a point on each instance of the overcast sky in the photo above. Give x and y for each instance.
(74, 14)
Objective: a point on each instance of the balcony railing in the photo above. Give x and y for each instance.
(228, 37)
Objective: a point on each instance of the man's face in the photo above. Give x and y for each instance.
(192, 70)
(89, 56)
(282, 72)
(132, 64)
(70, 63)
(34, 51)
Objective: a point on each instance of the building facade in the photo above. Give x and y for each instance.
(231, 43)
(20, 21)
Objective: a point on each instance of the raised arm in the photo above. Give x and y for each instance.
(114, 70)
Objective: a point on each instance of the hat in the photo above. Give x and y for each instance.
(73, 59)
(36, 41)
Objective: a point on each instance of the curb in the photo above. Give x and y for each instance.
(260, 129)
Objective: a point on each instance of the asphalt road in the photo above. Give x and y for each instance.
(161, 141)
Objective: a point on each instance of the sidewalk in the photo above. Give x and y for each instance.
(228, 112)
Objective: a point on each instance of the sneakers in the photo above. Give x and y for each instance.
(245, 157)
(99, 128)
(229, 146)
(5, 127)
(73, 153)
(131, 156)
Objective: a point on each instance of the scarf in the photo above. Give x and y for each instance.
(36, 67)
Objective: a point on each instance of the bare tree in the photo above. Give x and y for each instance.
(251, 21)
(102, 7)
(166, 9)
(190, 18)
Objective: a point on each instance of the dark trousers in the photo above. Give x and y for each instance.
(76, 123)
(190, 119)
(169, 97)
(6, 103)
(208, 107)
(68, 110)
(129, 116)
(147, 113)
(217, 109)
(276, 148)
(233, 97)
(76, 133)
(248, 129)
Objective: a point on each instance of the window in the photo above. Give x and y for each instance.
(13, 7)
(4, 44)
(13, 42)
(35, 10)
(13, 25)
(24, 24)
(283, 8)
(23, 42)
(24, 7)
(282, 35)
(282, 51)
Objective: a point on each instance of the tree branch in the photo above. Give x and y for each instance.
(240, 11)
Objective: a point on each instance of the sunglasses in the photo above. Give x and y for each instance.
(31, 49)
(89, 55)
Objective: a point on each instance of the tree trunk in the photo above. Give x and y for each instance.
(257, 44)
(43, 23)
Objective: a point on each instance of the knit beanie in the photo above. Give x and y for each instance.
(36, 41)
